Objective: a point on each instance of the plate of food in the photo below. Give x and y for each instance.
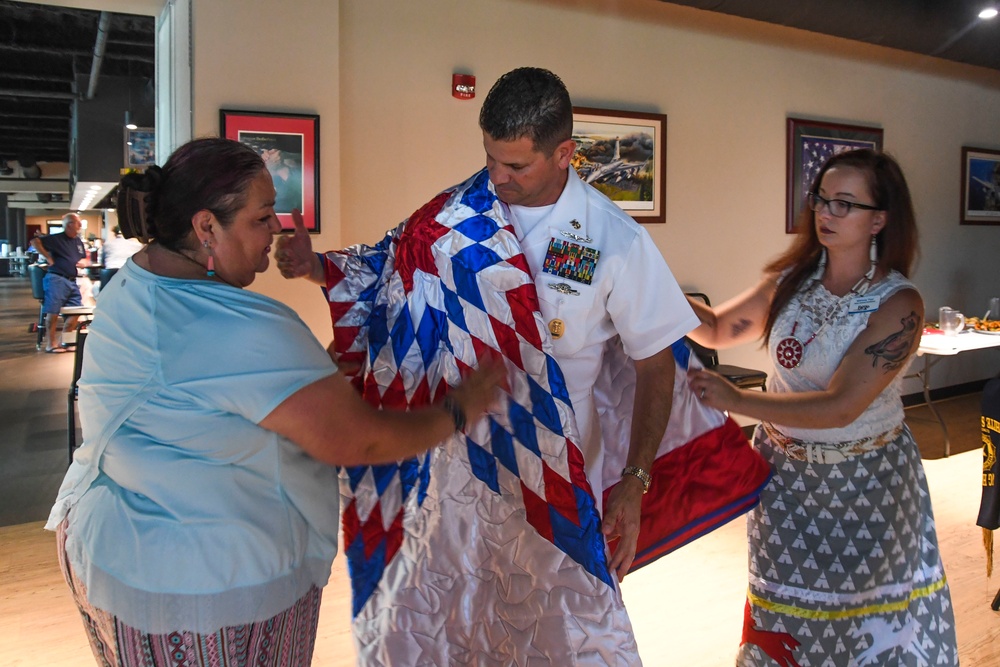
(983, 326)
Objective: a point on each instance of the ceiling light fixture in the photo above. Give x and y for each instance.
(988, 13)
(128, 121)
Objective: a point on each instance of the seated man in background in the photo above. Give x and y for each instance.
(64, 253)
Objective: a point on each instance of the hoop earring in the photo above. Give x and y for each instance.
(211, 258)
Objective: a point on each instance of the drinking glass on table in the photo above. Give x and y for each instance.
(950, 321)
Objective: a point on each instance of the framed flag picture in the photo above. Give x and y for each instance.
(810, 144)
(289, 145)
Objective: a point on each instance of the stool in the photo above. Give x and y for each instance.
(37, 275)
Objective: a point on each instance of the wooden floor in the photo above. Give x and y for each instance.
(687, 608)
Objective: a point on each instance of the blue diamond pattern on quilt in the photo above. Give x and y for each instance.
(465, 265)
(425, 477)
(478, 228)
(409, 471)
(355, 474)
(503, 447)
(483, 464)
(453, 306)
(576, 540)
(378, 330)
(402, 335)
(383, 476)
(524, 428)
(682, 353)
(557, 383)
(431, 334)
(544, 407)
(478, 197)
(365, 572)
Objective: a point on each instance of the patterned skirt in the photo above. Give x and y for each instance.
(285, 640)
(844, 563)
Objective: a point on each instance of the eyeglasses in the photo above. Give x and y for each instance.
(839, 208)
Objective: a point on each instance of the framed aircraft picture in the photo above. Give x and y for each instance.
(624, 155)
(980, 186)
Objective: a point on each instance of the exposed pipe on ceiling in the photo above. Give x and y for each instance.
(102, 41)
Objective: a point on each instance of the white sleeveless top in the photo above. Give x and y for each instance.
(823, 354)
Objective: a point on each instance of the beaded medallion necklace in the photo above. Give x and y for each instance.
(790, 349)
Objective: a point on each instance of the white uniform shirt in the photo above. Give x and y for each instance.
(633, 295)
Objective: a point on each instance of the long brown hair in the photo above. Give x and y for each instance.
(897, 240)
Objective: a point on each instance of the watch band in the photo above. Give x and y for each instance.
(641, 474)
(452, 407)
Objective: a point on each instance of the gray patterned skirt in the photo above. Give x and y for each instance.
(844, 563)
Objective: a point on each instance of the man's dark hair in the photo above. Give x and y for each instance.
(528, 102)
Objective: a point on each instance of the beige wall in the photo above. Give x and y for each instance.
(378, 73)
(281, 57)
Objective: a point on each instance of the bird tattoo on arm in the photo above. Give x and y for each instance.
(895, 348)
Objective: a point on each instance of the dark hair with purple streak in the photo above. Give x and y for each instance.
(210, 174)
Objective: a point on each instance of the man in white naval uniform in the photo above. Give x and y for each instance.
(603, 290)
(527, 124)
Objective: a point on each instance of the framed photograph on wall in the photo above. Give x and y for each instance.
(980, 186)
(289, 144)
(810, 143)
(140, 147)
(624, 155)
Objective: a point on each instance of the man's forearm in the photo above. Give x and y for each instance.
(653, 400)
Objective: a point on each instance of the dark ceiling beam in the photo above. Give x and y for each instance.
(43, 117)
(8, 92)
(26, 76)
(36, 49)
(30, 129)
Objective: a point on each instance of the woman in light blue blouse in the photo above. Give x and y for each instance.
(198, 522)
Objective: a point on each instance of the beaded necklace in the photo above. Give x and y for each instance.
(790, 349)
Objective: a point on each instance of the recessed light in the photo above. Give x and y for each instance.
(988, 13)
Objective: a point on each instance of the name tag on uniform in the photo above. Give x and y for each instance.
(571, 261)
(863, 304)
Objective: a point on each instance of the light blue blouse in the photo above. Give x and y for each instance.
(184, 514)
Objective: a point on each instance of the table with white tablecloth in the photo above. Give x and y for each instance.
(935, 346)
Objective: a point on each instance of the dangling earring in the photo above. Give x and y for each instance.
(211, 258)
(873, 256)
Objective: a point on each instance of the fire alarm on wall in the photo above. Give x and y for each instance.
(463, 86)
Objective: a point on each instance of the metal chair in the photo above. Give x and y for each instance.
(37, 275)
(744, 378)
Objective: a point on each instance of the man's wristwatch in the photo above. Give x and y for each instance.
(641, 474)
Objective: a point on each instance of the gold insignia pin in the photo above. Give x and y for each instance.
(575, 224)
(557, 327)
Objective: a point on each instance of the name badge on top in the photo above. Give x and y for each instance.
(863, 304)
(571, 261)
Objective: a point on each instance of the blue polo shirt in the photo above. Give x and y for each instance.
(66, 252)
